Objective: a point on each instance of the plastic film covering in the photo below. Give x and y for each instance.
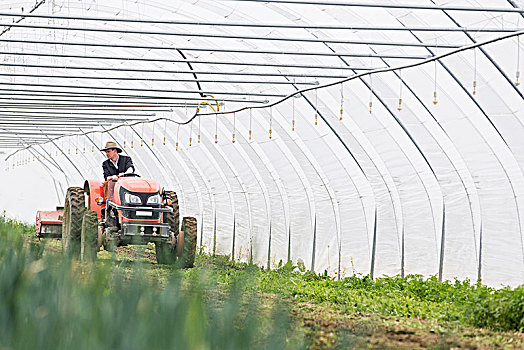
(412, 171)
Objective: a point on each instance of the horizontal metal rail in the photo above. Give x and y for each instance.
(220, 49)
(117, 88)
(4, 98)
(192, 61)
(94, 108)
(163, 79)
(386, 5)
(260, 25)
(235, 37)
(38, 93)
(194, 71)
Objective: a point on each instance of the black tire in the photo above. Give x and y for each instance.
(187, 257)
(173, 219)
(165, 253)
(74, 208)
(89, 237)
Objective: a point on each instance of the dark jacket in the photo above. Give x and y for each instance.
(124, 163)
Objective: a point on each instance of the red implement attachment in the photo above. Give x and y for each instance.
(49, 223)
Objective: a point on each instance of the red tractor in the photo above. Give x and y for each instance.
(134, 210)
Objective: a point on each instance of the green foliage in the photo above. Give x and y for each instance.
(411, 296)
(51, 303)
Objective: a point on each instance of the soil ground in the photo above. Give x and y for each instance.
(326, 327)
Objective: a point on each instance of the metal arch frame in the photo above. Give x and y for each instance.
(467, 188)
(244, 191)
(335, 205)
(189, 166)
(68, 159)
(276, 179)
(409, 158)
(31, 150)
(300, 174)
(337, 211)
(519, 216)
(265, 194)
(331, 193)
(189, 175)
(226, 182)
(423, 156)
(146, 143)
(456, 170)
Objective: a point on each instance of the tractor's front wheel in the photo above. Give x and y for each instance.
(89, 236)
(173, 218)
(189, 240)
(74, 208)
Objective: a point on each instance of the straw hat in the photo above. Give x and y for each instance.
(110, 145)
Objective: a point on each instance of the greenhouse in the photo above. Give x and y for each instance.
(355, 137)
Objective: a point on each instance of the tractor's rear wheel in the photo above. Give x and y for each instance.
(74, 208)
(188, 251)
(89, 236)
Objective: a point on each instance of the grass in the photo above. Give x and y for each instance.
(127, 300)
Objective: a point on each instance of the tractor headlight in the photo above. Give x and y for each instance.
(155, 199)
(132, 199)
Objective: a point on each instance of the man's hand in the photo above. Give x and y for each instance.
(121, 174)
(114, 177)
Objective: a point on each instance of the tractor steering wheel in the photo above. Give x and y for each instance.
(130, 175)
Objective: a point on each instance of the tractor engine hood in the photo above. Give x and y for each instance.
(139, 185)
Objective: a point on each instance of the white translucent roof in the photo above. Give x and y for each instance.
(413, 165)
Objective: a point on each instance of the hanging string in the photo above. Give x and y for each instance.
(341, 101)
(125, 135)
(517, 74)
(271, 121)
(234, 125)
(198, 139)
(293, 115)
(250, 121)
(190, 133)
(165, 128)
(142, 135)
(132, 138)
(435, 79)
(316, 106)
(84, 148)
(370, 93)
(474, 71)
(153, 135)
(400, 91)
(177, 133)
(216, 128)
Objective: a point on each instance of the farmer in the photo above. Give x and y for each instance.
(116, 165)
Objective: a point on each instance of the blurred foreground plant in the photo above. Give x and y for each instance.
(52, 303)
